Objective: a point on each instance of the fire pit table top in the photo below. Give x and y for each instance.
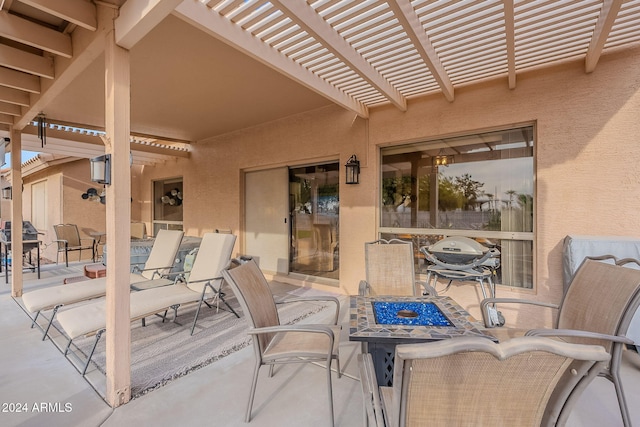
(409, 319)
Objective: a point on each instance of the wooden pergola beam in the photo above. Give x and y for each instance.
(138, 18)
(79, 12)
(608, 15)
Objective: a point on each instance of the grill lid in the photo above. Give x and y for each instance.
(460, 253)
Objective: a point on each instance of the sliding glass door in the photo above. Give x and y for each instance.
(314, 205)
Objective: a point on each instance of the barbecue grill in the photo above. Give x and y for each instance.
(461, 253)
(30, 239)
(464, 259)
(29, 232)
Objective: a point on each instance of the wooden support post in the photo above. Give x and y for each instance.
(16, 213)
(118, 216)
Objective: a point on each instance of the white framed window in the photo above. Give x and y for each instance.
(167, 205)
(479, 185)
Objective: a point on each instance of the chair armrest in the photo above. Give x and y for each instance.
(370, 390)
(209, 282)
(426, 289)
(318, 298)
(484, 306)
(580, 334)
(210, 279)
(66, 242)
(179, 275)
(137, 269)
(363, 288)
(314, 328)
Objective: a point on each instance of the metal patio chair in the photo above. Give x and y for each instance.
(597, 308)
(527, 381)
(69, 240)
(274, 343)
(390, 270)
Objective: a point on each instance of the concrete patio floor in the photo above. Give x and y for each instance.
(38, 386)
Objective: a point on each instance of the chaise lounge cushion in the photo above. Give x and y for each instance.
(47, 298)
(91, 317)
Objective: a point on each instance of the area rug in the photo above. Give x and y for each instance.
(162, 352)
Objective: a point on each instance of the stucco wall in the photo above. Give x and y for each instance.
(65, 184)
(586, 158)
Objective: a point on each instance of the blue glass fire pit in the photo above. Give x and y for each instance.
(409, 313)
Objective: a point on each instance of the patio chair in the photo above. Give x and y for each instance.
(138, 230)
(274, 343)
(597, 308)
(528, 381)
(161, 260)
(390, 270)
(68, 240)
(204, 283)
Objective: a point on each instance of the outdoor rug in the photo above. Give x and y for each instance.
(162, 352)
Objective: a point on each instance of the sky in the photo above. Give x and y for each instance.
(26, 155)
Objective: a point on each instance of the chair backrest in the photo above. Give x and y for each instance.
(138, 230)
(163, 253)
(254, 295)
(213, 255)
(68, 232)
(525, 381)
(601, 298)
(389, 267)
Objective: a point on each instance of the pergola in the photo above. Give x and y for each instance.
(149, 77)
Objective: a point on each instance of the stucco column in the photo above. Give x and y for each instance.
(16, 213)
(118, 218)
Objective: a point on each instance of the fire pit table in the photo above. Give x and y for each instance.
(382, 322)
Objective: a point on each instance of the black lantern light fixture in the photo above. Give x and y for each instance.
(352, 169)
(101, 169)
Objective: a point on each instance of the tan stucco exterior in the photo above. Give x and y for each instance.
(65, 183)
(586, 157)
(66, 179)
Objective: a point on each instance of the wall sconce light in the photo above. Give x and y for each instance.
(442, 159)
(101, 169)
(352, 169)
(7, 193)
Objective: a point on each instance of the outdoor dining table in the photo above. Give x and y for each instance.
(382, 322)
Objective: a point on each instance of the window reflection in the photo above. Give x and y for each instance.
(477, 185)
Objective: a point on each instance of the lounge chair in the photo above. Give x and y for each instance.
(390, 270)
(204, 282)
(597, 308)
(528, 381)
(161, 259)
(274, 343)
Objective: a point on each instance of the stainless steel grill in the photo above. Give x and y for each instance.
(464, 259)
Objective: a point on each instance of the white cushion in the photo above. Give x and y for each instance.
(89, 318)
(47, 298)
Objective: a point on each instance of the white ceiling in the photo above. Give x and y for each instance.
(203, 68)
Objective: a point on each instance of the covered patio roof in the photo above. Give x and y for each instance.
(193, 62)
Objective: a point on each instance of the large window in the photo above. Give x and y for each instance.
(167, 206)
(480, 186)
